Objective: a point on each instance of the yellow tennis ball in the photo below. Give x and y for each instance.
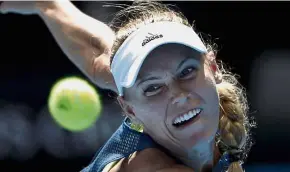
(74, 104)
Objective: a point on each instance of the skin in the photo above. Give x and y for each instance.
(179, 81)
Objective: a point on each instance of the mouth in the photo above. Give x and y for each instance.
(187, 118)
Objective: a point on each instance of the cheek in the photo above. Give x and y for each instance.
(206, 88)
(204, 81)
(150, 111)
(208, 77)
(145, 107)
(209, 92)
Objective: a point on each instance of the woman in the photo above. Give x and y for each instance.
(191, 114)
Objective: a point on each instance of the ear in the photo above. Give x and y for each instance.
(126, 108)
(211, 58)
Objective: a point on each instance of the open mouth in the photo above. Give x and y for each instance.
(187, 118)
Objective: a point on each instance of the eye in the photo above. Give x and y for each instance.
(153, 90)
(187, 72)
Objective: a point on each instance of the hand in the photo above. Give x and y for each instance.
(23, 7)
(19, 7)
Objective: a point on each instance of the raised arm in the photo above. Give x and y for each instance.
(85, 40)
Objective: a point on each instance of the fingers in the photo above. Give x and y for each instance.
(19, 7)
(0, 5)
(3, 7)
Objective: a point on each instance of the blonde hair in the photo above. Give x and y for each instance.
(234, 126)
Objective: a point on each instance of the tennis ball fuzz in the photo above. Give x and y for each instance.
(74, 104)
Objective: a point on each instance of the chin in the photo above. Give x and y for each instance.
(206, 135)
(201, 137)
(202, 130)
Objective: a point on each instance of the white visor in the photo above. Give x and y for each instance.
(132, 53)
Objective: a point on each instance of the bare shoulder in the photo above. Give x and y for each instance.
(148, 160)
(176, 168)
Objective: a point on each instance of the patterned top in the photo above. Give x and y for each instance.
(124, 142)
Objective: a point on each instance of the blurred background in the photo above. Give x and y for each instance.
(252, 38)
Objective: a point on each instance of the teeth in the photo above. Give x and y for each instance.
(182, 118)
(191, 114)
(187, 116)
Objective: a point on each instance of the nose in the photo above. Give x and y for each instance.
(180, 99)
(179, 95)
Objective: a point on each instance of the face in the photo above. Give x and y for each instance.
(175, 98)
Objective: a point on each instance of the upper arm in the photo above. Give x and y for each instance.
(95, 61)
(100, 72)
(94, 41)
(95, 64)
(86, 41)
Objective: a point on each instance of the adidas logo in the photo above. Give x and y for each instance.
(151, 38)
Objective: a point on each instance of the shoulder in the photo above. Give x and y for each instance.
(176, 168)
(148, 160)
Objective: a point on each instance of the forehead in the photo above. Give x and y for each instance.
(167, 57)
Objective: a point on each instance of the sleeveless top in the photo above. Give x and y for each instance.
(124, 142)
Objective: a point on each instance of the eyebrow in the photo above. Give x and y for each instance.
(182, 62)
(139, 81)
(146, 79)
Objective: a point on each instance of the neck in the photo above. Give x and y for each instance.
(202, 157)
